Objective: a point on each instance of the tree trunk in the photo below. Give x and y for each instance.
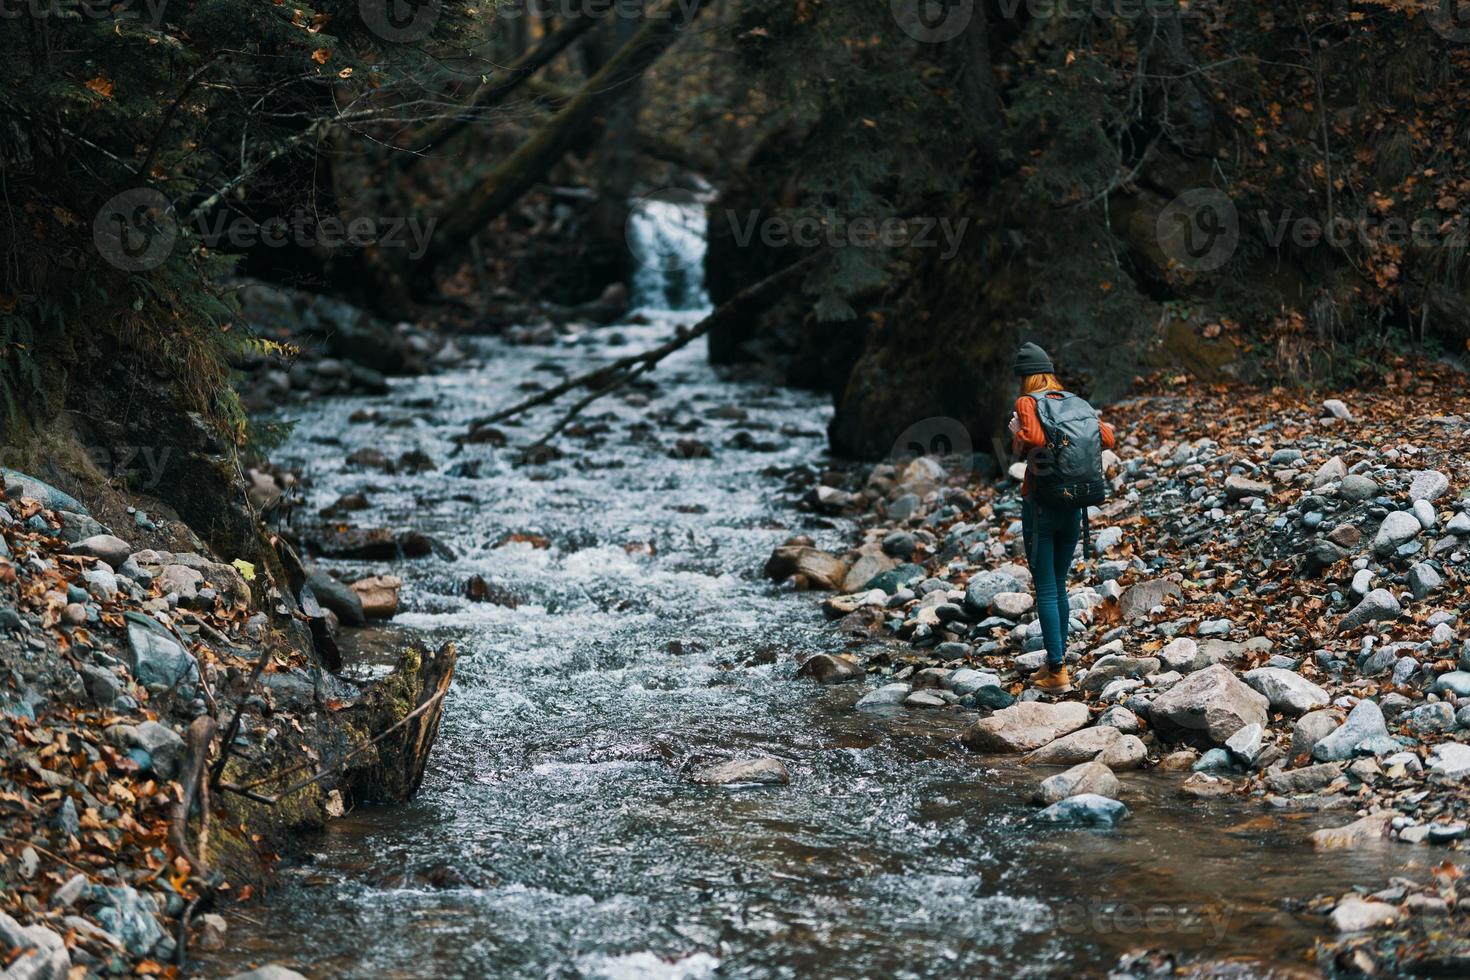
(504, 185)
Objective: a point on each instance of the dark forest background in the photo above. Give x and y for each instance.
(1138, 185)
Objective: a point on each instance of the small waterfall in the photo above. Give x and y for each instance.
(666, 234)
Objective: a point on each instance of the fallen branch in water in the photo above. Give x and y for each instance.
(609, 378)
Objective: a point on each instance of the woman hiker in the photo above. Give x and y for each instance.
(1051, 523)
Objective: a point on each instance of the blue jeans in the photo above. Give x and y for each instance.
(1051, 537)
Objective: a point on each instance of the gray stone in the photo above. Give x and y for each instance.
(1457, 681)
(1087, 810)
(925, 699)
(1083, 745)
(1183, 654)
(163, 744)
(1331, 471)
(1459, 525)
(1287, 691)
(271, 971)
(1120, 718)
(1247, 743)
(984, 586)
(1089, 777)
(765, 771)
(1357, 487)
(41, 953)
(156, 658)
(128, 915)
(1353, 914)
(1450, 759)
(900, 545)
(1310, 729)
(1363, 733)
(1025, 726)
(1308, 779)
(827, 669)
(1138, 599)
(337, 596)
(885, 696)
(102, 685)
(1215, 627)
(1212, 702)
(1424, 579)
(1429, 719)
(1423, 512)
(1428, 485)
(1397, 528)
(967, 681)
(1012, 605)
(1335, 408)
(1379, 604)
(1239, 487)
(108, 547)
(49, 497)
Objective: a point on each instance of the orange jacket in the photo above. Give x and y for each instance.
(1032, 436)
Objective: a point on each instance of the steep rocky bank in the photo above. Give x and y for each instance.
(1277, 613)
(172, 711)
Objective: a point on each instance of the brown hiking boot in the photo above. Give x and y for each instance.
(1052, 681)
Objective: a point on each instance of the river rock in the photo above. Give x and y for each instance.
(1336, 409)
(1311, 728)
(379, 595)
(827, 669)
(39, 490)
(156, 658)
(1205, 786)
(1357, 487)
(1457, 681)
(816, 569)
(1428, 485)
(271, 971)
(1379, 604)
(885, 696)
(862, 571)
(765, 771)
(1128, 752)
(336, 596)
(1012, 605)
(108, 547)
(1424, 579)
(966, 680)
(163, 744)
(1373, 827)
(1025, 726)
(129, 915)
(1137, 600)
(1113, 667)
(984, 586)
(1363, 733)
(1246, 744)
(1183, 654)
(1085, 810)
(1089, 777)
(1354, 914)
(1307, 779)
(1213, 702)
(1286, 690)
(1450, 760)
(1430, 719)
(896, 578)
(1397, 528)
(38, 953)
(1083, 745)
(1331, 471)
(1239, 487)
(1120, 718)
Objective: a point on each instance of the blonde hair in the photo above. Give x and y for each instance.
(1033, 383)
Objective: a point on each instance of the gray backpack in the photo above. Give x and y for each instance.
(1068, 470)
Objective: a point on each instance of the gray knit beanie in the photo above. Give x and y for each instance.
(1031, 359)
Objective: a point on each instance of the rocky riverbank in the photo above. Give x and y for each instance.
(1277, 612)
(168, 726)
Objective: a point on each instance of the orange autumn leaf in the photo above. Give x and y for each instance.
(320, 56)
(101, 85)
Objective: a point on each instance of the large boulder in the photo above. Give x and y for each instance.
(1083, 745)
(1025, 726)
(983, 587)
(1376, 605)
(1396, 529)
(1286, 690)
(337, 596)
(1137, 600)
(157, 660)
(1212, 703)
(1085, 810)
